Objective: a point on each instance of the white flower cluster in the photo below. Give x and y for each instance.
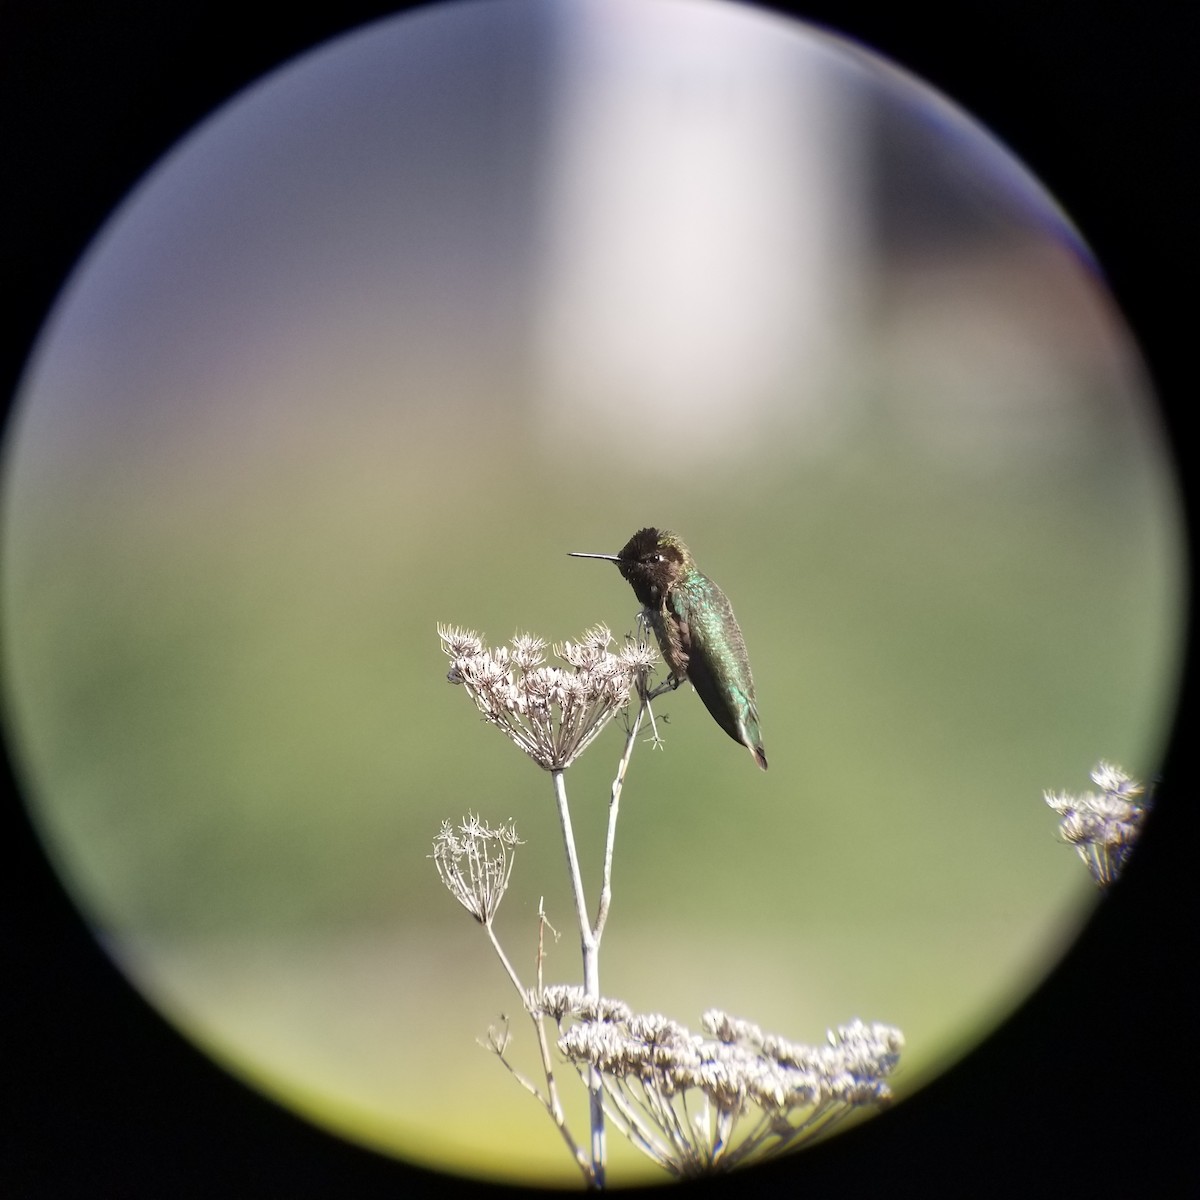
(1103, 826)
(697, 1104)
(475, 862)
(552, 713)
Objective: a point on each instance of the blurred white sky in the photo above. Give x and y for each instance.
(703, 225)
(611, 224)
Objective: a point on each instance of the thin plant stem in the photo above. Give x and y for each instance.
(508, 967)
(591, 981)
(550, 1101)
(614, 807)
(590, 946)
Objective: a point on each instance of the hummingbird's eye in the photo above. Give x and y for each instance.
(657, 558)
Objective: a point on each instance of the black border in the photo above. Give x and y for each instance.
(1085, 1091)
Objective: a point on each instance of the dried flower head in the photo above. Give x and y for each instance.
(697, 1104)
(475, 862)
(1103, 826)
(552, 713)
(562, 1000)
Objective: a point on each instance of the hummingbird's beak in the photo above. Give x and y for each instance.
(580, 554)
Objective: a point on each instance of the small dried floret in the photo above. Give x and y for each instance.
(559, 1000)
(638, 657)
(591, 649)
(459, 643)
(1110, 778)
(527, 651)
(724, 1028)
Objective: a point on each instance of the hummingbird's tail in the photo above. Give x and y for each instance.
(752, 737)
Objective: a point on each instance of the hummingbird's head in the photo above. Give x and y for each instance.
(651, 561)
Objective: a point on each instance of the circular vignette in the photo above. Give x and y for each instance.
(832, 1019)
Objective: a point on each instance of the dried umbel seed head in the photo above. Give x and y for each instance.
(699, 1104)
(475, 861)
(1103, 826)
(552, 713)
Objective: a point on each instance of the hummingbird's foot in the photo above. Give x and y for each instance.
(670, 684)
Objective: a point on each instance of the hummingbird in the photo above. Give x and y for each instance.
(696, 630)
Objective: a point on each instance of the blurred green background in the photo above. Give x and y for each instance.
(467, 290)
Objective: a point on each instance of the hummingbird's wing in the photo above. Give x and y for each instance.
(717, 665)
